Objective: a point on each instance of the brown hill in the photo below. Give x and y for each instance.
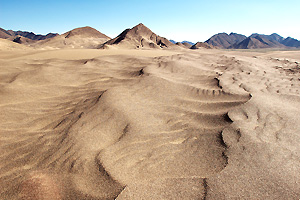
(139, 37)
(33, 36)
(86, 32)
(10, 45)
(202, 45)
(85, 37)
(188, 45)
(4, 34)
(183, 45)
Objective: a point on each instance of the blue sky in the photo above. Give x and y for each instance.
(193, 20)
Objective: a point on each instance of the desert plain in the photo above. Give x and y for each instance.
(122, 123)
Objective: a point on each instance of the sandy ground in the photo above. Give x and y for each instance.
(149, 124)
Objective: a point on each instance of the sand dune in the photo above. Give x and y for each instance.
(149, 124)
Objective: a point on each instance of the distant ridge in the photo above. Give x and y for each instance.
(32, 36)
(291, 42)
(139, 37)
(255, 41)
(142, 37)
(174, 42)
(12, 35)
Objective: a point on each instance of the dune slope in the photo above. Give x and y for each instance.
(195, 125)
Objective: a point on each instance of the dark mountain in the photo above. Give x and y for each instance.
(139, 37)
(32, 36)
(173, 41)
(223, 40)
(237, 41)
(272, 37)
(256, 41)
(248, 43)
(276, 37)
(24, 36)
(291, 42)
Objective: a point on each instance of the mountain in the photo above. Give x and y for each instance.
(248, 43)
(276, 37)
(272, 37)
(139, 37)
(85, 32)
(223, 40)
(291, 42)
(257, 42)
(84, 37)
(202, 45)
(254, 41)
(173, 41)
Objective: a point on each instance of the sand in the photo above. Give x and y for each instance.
(149, 124)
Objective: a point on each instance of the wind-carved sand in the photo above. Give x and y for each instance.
(204, 124)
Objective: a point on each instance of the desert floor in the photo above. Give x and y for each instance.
(149, 124)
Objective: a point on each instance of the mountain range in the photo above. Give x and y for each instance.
(141, 36)
(254, 41)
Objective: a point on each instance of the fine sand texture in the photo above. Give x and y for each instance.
(149, 124)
